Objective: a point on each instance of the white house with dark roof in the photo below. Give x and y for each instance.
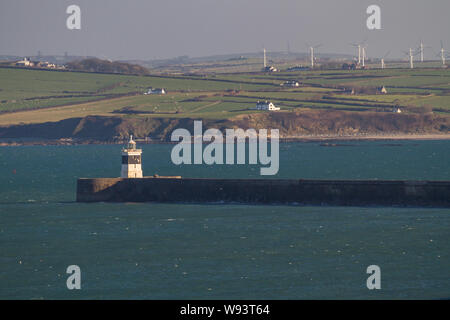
(24, 63)
(291, 84)
(266, 105)
(269, 69)
(156, 91)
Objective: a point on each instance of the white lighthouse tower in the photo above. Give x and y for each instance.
(131, 161)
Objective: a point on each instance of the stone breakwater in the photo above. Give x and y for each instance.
(266, 191)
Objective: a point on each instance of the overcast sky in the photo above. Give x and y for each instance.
(149, 29)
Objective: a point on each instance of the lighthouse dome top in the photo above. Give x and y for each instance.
(131, 144)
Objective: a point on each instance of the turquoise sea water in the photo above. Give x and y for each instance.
(177, 251)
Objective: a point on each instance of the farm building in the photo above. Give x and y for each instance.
(266, 105)
(291, 83)
(156, 91)
(24, 63)
(349, 91)
(297, 68)
(270, 69)
(46, 64)
(382, 90)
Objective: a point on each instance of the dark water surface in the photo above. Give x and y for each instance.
(168, 251)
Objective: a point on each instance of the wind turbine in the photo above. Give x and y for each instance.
(421, 50)
(359, 52)
(411, 57)
(360, 47)
(383, 65)
(364, 56)
(265, 61)
(312, 56)
(442, 54)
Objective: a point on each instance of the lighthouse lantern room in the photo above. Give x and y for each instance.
(131, 161)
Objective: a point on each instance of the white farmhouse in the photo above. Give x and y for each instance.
(266, 105)
(382, 90)
(290, 83)
(155, 91)
(269, 69)
(24, 63)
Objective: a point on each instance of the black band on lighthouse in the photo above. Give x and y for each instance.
(131, 159)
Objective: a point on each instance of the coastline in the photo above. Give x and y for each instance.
(6, 142)
(401, 136)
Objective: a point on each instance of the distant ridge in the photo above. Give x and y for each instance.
(63, 59)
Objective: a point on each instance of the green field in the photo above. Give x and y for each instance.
(30, 89)
(30, 96)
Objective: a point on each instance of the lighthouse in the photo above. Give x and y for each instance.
(131, 161)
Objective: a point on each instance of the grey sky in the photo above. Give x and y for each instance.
(148, 29)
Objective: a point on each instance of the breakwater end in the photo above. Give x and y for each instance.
(266, 191)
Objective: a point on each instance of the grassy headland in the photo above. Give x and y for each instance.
(105, 106)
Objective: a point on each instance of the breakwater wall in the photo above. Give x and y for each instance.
(266, 191)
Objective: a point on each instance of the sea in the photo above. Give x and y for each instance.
(220, 251)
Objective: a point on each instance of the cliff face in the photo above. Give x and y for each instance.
(330, 122)
(290, 124)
